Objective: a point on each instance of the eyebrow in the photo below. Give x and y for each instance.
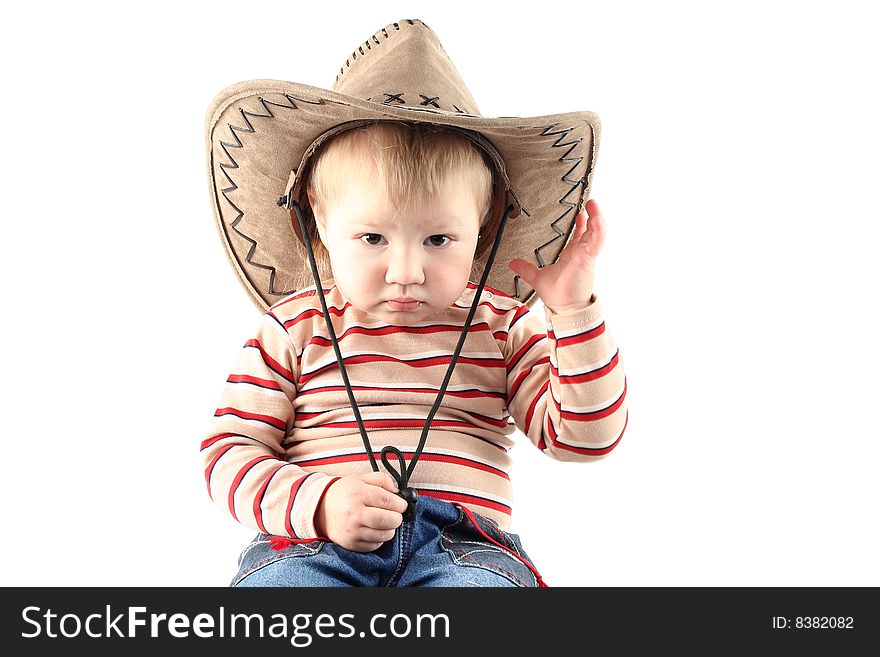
(445, 224)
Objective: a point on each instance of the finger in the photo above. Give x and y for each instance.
(381, 498)
(380, 479)
(596, 222)
(525, 270)
(373, 536)
(577, 236)
(382, 519)
(580, 225)
(362, 546)
(596, 230)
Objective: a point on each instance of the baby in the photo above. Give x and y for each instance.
(342, 374)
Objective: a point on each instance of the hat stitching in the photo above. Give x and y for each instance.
(574, 182)
(443, 112)
(426, 100)
(224, 167)
(367, 44)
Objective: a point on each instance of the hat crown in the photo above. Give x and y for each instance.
(404, 65)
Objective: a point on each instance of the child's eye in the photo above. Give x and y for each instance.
(438, 240)
(373, 239)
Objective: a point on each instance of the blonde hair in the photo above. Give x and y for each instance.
(414, 163)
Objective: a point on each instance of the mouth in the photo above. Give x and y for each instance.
(404, 305)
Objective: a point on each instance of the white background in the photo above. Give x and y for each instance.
(738, 174)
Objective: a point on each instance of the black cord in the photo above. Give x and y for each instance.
(467, 325)
(320, 290)
(403, 475)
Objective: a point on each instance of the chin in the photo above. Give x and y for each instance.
(404, 318)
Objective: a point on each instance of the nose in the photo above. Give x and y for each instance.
(404, 267)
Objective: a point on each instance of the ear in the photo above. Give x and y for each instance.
(318, 214)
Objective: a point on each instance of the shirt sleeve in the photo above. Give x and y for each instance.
(566, 385)
(245, 469)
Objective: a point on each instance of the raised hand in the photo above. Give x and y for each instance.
(567, 284)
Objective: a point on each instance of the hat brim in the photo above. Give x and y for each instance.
(258, 131)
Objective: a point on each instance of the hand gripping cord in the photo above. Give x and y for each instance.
(402, 475)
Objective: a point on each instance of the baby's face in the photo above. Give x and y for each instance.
(406, 270)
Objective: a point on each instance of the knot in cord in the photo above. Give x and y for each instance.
(401, 478)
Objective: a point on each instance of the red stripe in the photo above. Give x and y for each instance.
(417, 363)
(245, 378)
(486, 288)
(297, 297)
(237, 481)
(279, 543)
(503, 422)
(465, 394)
(521, 311)
(271, 362)
(486, 304)
(594, 451)
(321, 499)
(551, 431)
(220, 436)
(426, 456)
(444, 458)
(514, 361)
(396, 424)
(293, 490)
(534, 403)
(514, 388)
(395, 330)
(315, 312)
(586, 336)
(592, 416)
(446, 496)
(538, 579)
(586, 376)
(258, 499)
(210, 468)
(380, 422)
(244, 415)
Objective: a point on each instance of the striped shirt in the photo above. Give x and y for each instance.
(285, 430)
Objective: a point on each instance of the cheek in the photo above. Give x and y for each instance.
(455, 271)
(357, 271)
(465, 259)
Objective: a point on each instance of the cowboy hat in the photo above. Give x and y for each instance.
(261, 135)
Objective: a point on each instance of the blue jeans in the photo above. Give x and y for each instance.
(440, 547)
